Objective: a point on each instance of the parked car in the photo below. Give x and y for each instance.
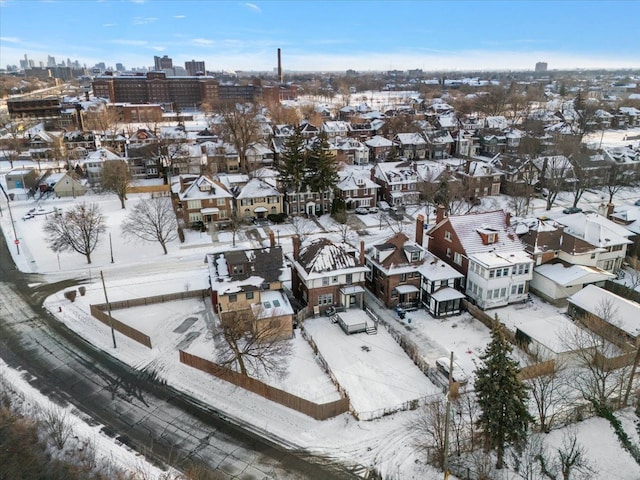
(637, 203)
(384, 206)
(571, 210)
(198, 225)
(373, 209)
(362, 210)
(458, 375)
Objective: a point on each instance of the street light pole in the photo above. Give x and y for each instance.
(111, 247)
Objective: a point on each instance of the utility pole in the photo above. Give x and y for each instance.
(111, 247)
(113, 334)
(447, 419)
(13, 224)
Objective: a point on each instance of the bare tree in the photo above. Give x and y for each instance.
(492, 102)
(632, 274)
(429, 431)
(549, 395)
(527, 463)
(615, 181)
(152, 220)
(241, 129)
(301, 226)
(116, 177)
(250, 344)
(570, 461)
(554, 172)
(78, 229)
(58, 424)
(595, 381)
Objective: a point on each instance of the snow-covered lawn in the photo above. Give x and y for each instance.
(373, 369)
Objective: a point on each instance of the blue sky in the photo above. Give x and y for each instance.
(328, 35)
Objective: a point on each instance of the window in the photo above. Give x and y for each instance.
(249, 295)
(448, 253)
(403, 277)
(415, 256)
(447, 235)
(325, 281)
(593, 255)
(521, 288)
(608, 265)
(457, 258)
(498, 272)
(492, 273)
(514, 289)
(221, 202)
(334, 279)
(233, 298)
(503, 292)
(326, 299)
(526, 268)
(349, 278)
(505, 272)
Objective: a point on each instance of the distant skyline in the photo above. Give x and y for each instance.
(325, 36)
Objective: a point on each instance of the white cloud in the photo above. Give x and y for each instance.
(109, 24)
(124, 41)
(144, 20)
(200, 42)
(254, 7)
(10, 39)
(179, 16)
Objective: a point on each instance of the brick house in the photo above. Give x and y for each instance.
(393, 275)
(357, 191)
(480, 178)
(204, 200)
(411, 145)
(257, 199)
(325, 274)
(379, 148)
(486, 250)
(246, 285)
(399, 182)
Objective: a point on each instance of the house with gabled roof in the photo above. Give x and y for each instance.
(485, 248)
(351, 151)
(393, 275)
(259, 155)
(481, 177)
(335, 128)
(357, 191)
(379, 148)
(258, 199)
(325, 274)
(439, 144)
(411, 145)
(204, 200)
(398, 182)
(246, 286)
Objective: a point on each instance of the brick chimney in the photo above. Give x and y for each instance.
(419, 229)
(507, 219)
(610, 207)
(362, 252)
(296, 246)
(272, 239)
(440, 213)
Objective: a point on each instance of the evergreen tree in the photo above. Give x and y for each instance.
(291, 166)
(322, 171)
(502, 397)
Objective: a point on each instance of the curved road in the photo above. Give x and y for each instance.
(168, 427)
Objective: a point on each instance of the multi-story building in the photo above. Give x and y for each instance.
(324, 274)
(398, 182)
(194, 68)
(204, 200)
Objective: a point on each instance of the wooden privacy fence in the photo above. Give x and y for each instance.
(302, 405)
(98, 311)
(147, 188)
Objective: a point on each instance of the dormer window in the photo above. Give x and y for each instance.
(492, 238)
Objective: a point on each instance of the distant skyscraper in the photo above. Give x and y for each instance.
(51, 61)
(161, 63)
(193, 68)
(541, 67)
(120, 67)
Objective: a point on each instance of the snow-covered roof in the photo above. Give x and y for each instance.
(352, 181)
(625, 313)
(595, 229)
(497, 259)
(204, 187)
(572, 275)
(411, 139)
(273, 303)
(322, 257)
(466, 227)
(435, 269)
(257, 188)
(378, 141)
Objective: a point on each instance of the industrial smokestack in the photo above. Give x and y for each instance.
(279, 67)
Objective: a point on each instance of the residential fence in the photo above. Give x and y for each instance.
(147, 188)
(622, 291)
(302, 405)
(98, 312)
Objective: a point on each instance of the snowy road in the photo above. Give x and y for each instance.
(135, 409)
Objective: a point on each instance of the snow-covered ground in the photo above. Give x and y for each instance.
(378, 378)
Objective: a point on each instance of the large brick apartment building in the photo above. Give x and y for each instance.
(158, 88)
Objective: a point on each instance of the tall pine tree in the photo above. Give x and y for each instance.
(292, 164)
(502, 397)
(322, 171)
